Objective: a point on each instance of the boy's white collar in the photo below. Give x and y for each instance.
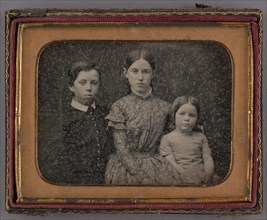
(80, 106)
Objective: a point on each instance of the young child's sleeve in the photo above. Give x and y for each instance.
(206, 149)
(207, 158)
(165, 147)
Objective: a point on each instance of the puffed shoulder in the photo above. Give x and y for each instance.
(116, 114)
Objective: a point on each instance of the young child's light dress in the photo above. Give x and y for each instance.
(187, 150)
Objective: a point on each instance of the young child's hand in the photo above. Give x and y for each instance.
(216, 178)
(188, 178)
(207, 178)
(193, 179)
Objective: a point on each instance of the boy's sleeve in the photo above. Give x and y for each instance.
(165, 147)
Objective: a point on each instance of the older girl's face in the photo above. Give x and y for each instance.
(139, 75)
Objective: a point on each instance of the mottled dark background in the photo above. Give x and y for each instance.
(198, 68)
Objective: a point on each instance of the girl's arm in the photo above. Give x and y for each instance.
(131, 164)
(117, 121)
(120, 142)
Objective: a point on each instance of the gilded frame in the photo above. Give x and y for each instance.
(18, 21)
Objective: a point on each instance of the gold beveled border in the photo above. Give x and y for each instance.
(18, 112)
(91, 24)
(9, 15)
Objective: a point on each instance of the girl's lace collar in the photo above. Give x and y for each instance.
(142, 96)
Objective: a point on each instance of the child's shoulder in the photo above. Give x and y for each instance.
(199, 134)
(170, 135)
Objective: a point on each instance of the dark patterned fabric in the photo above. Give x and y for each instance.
(85, 148)
(143, 120)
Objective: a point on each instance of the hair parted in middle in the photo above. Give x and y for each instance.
(135, 55)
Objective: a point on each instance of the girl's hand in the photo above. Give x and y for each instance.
(132, 164)
(179, 169)
(142, 178)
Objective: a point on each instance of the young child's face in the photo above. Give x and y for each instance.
(186, 118)
(139, 75)
(85, 87)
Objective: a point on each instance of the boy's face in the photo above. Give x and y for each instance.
(85, 87)
(186, 118)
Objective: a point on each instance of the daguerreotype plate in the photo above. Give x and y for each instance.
(134, 111)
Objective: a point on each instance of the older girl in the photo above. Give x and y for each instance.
(137, 121)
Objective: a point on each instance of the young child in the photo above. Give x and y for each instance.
(86, 144)
(186, 147)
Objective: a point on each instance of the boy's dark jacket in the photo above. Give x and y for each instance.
(81, 155)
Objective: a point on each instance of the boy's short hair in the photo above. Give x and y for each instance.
(81, 66)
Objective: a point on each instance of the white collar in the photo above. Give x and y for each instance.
(141, 95)
(80, 106)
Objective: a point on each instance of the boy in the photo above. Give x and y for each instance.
(86, 143)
